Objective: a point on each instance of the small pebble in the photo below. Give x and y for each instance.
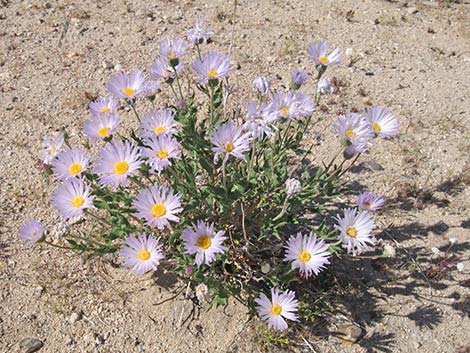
(30, 345)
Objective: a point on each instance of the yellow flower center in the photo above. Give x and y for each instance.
(276, 309)
(323, 60)
(103, 132)
(229, 147)
(350, 133)
(128, 91)
(367, 204)
(304, 256)
(78, 201)
(158, 210)
(352, 232)
(104, 110)
(212, 73)
(166, 73)
(285, 111)
(75, 168)
(143, 255)
(53, 151)
(376, 127)
(204, 242)
(162, 154)
(171, 54)
(121, 167)
(159, 129)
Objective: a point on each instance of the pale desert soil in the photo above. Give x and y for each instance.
(414, 59)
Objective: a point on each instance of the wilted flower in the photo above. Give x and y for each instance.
(103, 105)
(435, 250)
(262, 85)
(291, 105)
(151, 88)
(52, 146)
(127, 85)
(356, 230)
(307, 254)
(201, 239)
(460, 266)
(202, 293)
(212, 66)
(116, 162)
(70, 163)
(32, 232)
(370, 202)
(158, 122)
(199, 34)
(383, 123)
(160, 150)
(101, 126)
(279, 307)
(326, 86)
(293, 186)
(319, 53)
(298, 78)
(72, 197)
(258, 120)
(173, 49)
(230, 140)
(389, 251)
(158, 205)
(142, 253)
(452, 240)
(161, 69)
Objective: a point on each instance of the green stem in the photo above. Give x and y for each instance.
(224, 177)
(250, 166)
(284, 138)
(174, 92)
(198, 51)
(135, 111)
(57, 246)
(91, 241)
(212, 107)
(283, 211)
(98, 218)
(178, 83)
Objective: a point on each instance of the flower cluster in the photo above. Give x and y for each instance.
(207, 192)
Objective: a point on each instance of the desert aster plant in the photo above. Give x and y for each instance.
(72, 198)
(116, 162)
(103, 105)
(307, 254)
(70, 163)
(230, 140)
(127, 85)
(161, 69)
(158, 205)
(158, 122)
(101, 126)
(32, 232)
(201, 239)
(212, 66)
(199, 34)
(355, 230)
(382, 122)
(141, 253)
(319, 54)
(160, 151)
(52, 145)
(368, 201)
(291, 105)
(173, 49)
(281, 306)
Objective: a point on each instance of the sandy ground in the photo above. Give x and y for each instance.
(414, 57)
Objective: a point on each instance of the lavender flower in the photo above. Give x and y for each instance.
(158, 122)
(173, 49)
(298, 78)
(116, 162)
(52, 145)
(160, 151)
(70, 163)
(199, 34)
(158, 205)
(229, 140)
(142, 253)
(32, 232)
(319, 54)
(279, 307)
(72, 197)
(368, 201)
(291, 105)
(382, 122)
(354, 129)
(127, 85)
(151, 88)
(212, 66)
(103, 105)
(356, 230)
(262, 85)
(259, 121)
(101, 126)
(162, 69)
(203, 241)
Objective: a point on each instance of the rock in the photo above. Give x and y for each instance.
(348, 332)
(75, 316)
(117, 67)
(107, 65)
(30, 345)
(99, 339)
(412, 10)
(38, 291)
